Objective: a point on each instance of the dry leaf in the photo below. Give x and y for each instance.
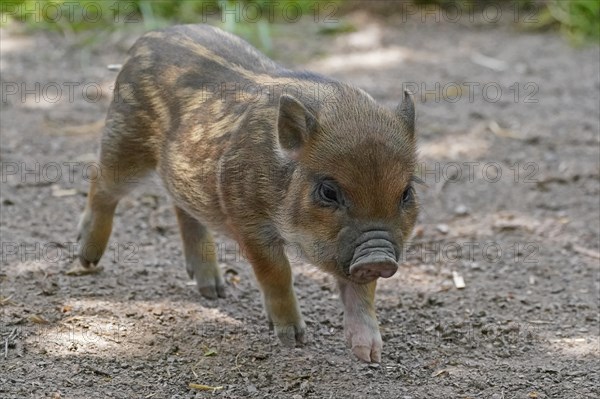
(492, 63)
(38, 319)
(83, 271)
(66, 308)
(6, 301)
(210, 352)
(201, 387)
(507, 222)
(500, 131)
(232, 277)
(234, 280)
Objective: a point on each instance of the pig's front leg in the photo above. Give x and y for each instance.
(273, 272)
(360, 322)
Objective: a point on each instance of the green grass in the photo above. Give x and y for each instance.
(579, 20)
(90, 14)
(250, 19)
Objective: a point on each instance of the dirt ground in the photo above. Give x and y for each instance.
(509, 145)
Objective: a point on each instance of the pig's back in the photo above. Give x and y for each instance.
(193, 56)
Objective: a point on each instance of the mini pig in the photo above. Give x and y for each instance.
(268, 156)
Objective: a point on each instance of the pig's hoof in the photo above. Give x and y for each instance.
(88, 255)
(291, 334)
(211, 288)
(87, 263)
(365, 342)
(367, 354)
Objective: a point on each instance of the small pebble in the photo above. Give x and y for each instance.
(442, 228)
(251, 388)
(461, 210)
(474, 266)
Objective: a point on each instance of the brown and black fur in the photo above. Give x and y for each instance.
(240, 144)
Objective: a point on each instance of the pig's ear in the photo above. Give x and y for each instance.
(295, 125)
(406, 112)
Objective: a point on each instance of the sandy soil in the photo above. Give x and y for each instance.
(526, 242)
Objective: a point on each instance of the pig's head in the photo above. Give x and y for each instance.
(351, 203)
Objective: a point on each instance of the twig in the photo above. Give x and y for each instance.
(194, 369)
(116, 67)
(99, 372)
(587, 252)
(237, 366)
(11, 335)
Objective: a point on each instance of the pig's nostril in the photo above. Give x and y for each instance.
(387, 273)
(373, 270)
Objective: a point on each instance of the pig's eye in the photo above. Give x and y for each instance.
(327, 193)
(409, 196)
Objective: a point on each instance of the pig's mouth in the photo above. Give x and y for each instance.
(375, 255)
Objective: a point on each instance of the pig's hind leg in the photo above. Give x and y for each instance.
(200, 255)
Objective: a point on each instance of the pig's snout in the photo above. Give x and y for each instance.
(375, 256)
